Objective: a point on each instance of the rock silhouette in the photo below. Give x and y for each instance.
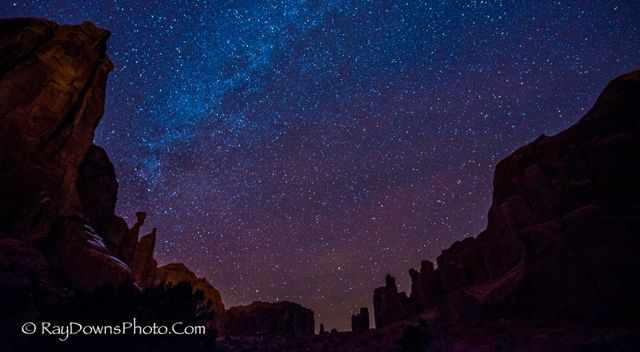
(389, 305)
(52, 85)
(58, 191)
(561, 235)
(175, 273)
(270, 319)
(144, 265)
(426, 286)
(360, 320)
(553, 271)
(60, 238)
(561, 242)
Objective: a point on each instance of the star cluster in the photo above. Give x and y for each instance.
(300, 150)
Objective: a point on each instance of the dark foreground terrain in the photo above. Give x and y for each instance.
(555, 269)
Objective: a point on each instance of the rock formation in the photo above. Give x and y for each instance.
(425, 286)
(51, 99)
(561, 241)
(58, 191)
(144, 265)
(59, 234)
(98, 190)
(128, 247)
(270, 319)
(81, 256)
(175, 273)
(52, 85)
(390, 305)
(360, 320)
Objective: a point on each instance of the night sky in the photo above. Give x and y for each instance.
(301, 150)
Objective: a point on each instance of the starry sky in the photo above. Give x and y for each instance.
(302, 149)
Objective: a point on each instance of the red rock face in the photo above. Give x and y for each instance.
(561, 241)
(270, 319)
(81, 255)
(51, 99)
(98, 190)
(57, 190)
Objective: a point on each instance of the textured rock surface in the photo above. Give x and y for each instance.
(58, 229)
(561, 241)
(98, 191)
(51, 99)
(98, 188)
(270, 319)
(81, 255)
(57, 190)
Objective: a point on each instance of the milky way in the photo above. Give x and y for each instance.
(300, 150)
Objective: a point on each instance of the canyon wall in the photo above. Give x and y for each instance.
(561, 241)
(58, 191)
(52, 87)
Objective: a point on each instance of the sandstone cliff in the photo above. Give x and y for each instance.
(59, 234)
(58, 191)
(561, 241)
(52, 86)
